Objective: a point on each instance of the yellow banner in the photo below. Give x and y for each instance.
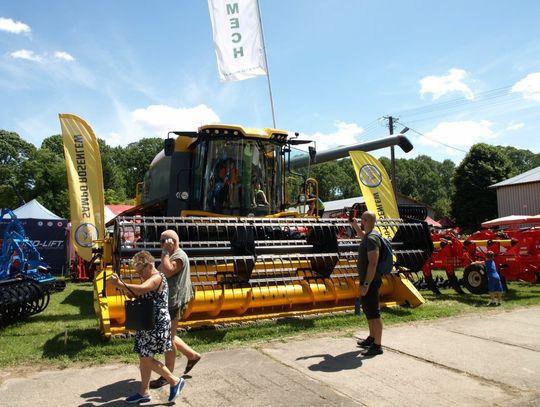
(85, 182)
(376, 189)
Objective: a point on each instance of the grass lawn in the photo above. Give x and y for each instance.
(67, 332)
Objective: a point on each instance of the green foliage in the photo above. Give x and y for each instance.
(335, 182)
(114, 181)
(522, 160)
(46, 172)
(425, 180)
(474, 201)
(27, 173)
(55, 144)
(14, 153)
(136, 159)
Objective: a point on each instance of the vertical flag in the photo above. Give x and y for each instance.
(376, 188)
(85, 182)
(237, 38)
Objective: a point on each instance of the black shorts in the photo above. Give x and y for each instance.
(370, 301)
(177, 312)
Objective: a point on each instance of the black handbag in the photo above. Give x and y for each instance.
(140, 312)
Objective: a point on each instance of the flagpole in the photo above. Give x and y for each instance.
(266, 64)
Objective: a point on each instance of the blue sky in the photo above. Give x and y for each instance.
(455, 72)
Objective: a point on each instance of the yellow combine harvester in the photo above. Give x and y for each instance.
(236, 198)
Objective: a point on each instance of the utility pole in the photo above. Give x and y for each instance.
(392, 155)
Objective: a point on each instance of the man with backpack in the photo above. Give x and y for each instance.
(370, 280)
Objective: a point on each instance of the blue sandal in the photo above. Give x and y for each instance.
(137, 398)
(176, 389)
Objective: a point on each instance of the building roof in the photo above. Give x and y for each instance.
(349, 202)
(511, 220)
(112, 211)
(342, 203)
(525, 178)
(432, 222)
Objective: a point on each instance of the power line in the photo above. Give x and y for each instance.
(432, 139)
(460, 102)
(483, 100)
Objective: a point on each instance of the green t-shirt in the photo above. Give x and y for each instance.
(369, 243)
(180, 288)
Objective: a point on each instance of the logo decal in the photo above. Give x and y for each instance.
(85, 234)
(370, 176)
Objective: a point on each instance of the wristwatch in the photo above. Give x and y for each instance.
(164, 253)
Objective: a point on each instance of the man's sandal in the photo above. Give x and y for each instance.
(190, 364)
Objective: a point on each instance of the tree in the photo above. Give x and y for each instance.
(425, 180)
(114, 179)
(54, 144)
(334, 181)
(136, 159)
(522, 160)
(474, 202)
(14, 152)
(46, 172)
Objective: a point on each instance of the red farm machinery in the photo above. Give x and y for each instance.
(516, 250)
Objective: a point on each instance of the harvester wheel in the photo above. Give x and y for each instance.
(475, 279)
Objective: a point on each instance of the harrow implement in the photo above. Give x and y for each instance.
(21, 298)
(25, 282)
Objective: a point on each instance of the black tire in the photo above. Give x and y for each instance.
(475, 279)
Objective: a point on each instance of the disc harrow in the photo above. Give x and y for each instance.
(21, 298)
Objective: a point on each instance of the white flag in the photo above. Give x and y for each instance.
(238, 39)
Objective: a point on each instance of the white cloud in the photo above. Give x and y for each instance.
(529, 87)
(441, 85)
(346, 134)
(515, 126)
(115, 139)
(461, 135)
(64, 56)
(15, 27)
(26, 54)
(161, 119)
(32, 56)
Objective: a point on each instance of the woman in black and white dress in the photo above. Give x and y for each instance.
(148, 343)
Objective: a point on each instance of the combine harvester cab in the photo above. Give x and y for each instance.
(234, 197)
(25, 281)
